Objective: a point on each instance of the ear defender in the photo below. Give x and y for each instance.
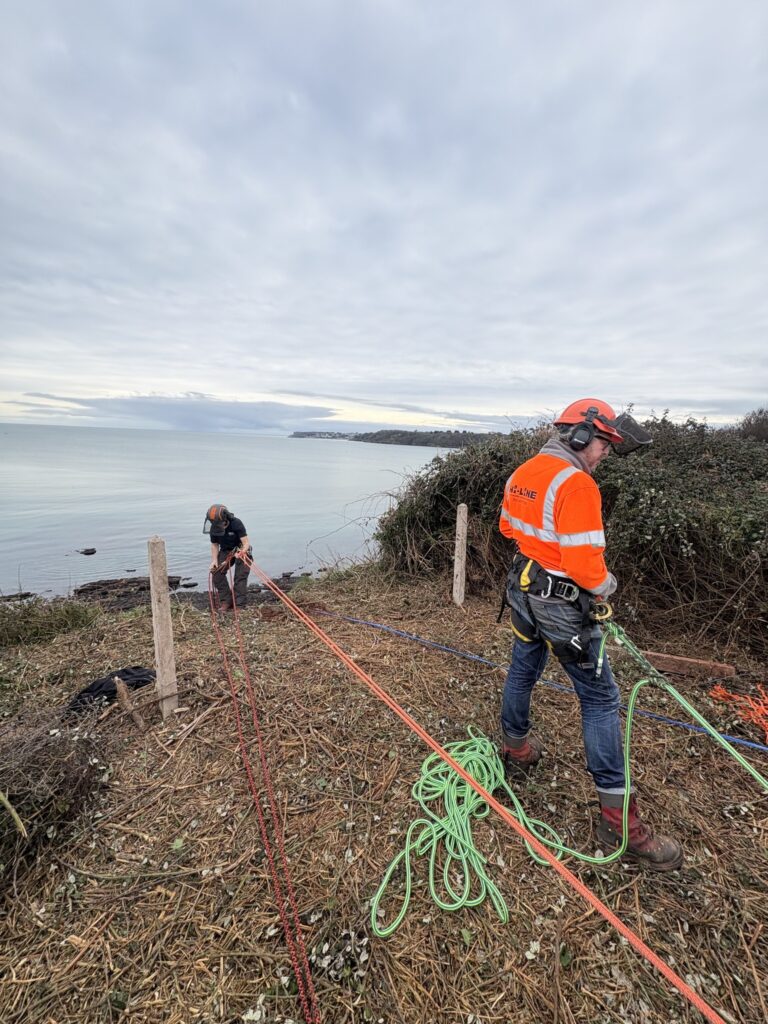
(579, 436)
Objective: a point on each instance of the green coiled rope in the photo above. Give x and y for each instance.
(457, 870)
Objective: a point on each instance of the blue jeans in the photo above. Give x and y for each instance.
(599, 698)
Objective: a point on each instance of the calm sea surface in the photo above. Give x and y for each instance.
(305, 502)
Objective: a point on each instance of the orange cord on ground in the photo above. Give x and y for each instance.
(750, 709)
(653, 958)
(285, 896)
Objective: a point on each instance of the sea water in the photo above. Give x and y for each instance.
(306, 502)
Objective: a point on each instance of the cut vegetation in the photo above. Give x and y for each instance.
(143, 893)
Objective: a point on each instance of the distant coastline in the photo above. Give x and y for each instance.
(427, 438)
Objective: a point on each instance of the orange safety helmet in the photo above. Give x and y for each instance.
(217, 513)
(587, 417)
(215, 518)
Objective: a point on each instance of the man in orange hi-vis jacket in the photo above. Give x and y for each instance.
(556, 590)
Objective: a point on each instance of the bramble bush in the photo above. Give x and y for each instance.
(686, 526)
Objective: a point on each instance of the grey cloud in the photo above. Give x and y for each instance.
(429, 207)
(203, 412)
(184, 412)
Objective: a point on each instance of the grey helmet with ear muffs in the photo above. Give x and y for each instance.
(587, 418)
(216, 520)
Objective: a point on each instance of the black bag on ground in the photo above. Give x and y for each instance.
(104, 689)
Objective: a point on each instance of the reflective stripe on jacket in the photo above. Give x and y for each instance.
(554, 512)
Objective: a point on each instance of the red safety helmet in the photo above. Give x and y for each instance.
(587, 417)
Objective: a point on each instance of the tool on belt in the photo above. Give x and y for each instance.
(529, 579)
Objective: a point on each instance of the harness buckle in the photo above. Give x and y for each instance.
(568, 591)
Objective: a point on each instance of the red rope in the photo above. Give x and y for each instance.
(291, 922)
(576, 883)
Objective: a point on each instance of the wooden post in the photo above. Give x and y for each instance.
(460, 556)
(165, 662)
(124, 700)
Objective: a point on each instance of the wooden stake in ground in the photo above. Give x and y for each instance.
(124, 700)
(460, 556)
(165, 661)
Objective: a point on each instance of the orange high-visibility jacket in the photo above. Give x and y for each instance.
(554, 512)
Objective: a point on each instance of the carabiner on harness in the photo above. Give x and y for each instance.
(601, 611)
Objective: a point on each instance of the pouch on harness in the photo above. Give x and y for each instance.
(527, 579)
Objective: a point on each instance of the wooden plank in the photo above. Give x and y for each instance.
(688, 666)
(460, 556)
(165, 660)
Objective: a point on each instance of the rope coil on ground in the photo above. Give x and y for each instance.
(480, 758)
(426, 835)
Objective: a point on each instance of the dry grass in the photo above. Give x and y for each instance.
(157, 906)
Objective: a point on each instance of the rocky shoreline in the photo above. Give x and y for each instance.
(129, 592)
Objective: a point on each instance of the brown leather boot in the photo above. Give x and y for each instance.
(521, 753)
(660, 853)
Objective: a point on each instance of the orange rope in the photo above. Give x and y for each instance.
(653, 958)
(750, 709)
(291, 922)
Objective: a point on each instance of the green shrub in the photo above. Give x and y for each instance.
(686, 524)
(417, 535)
(35, 619)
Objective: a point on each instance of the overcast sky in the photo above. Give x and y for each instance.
(341, 215)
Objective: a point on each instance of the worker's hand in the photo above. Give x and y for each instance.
(213, 567)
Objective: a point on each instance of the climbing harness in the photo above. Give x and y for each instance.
(531, 838)
(527, 579)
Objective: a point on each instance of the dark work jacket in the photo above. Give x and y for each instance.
(230, 537)
(105, 689)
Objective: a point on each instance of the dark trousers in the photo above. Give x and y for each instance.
(221, 581)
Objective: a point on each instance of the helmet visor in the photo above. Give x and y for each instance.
(633, 436)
